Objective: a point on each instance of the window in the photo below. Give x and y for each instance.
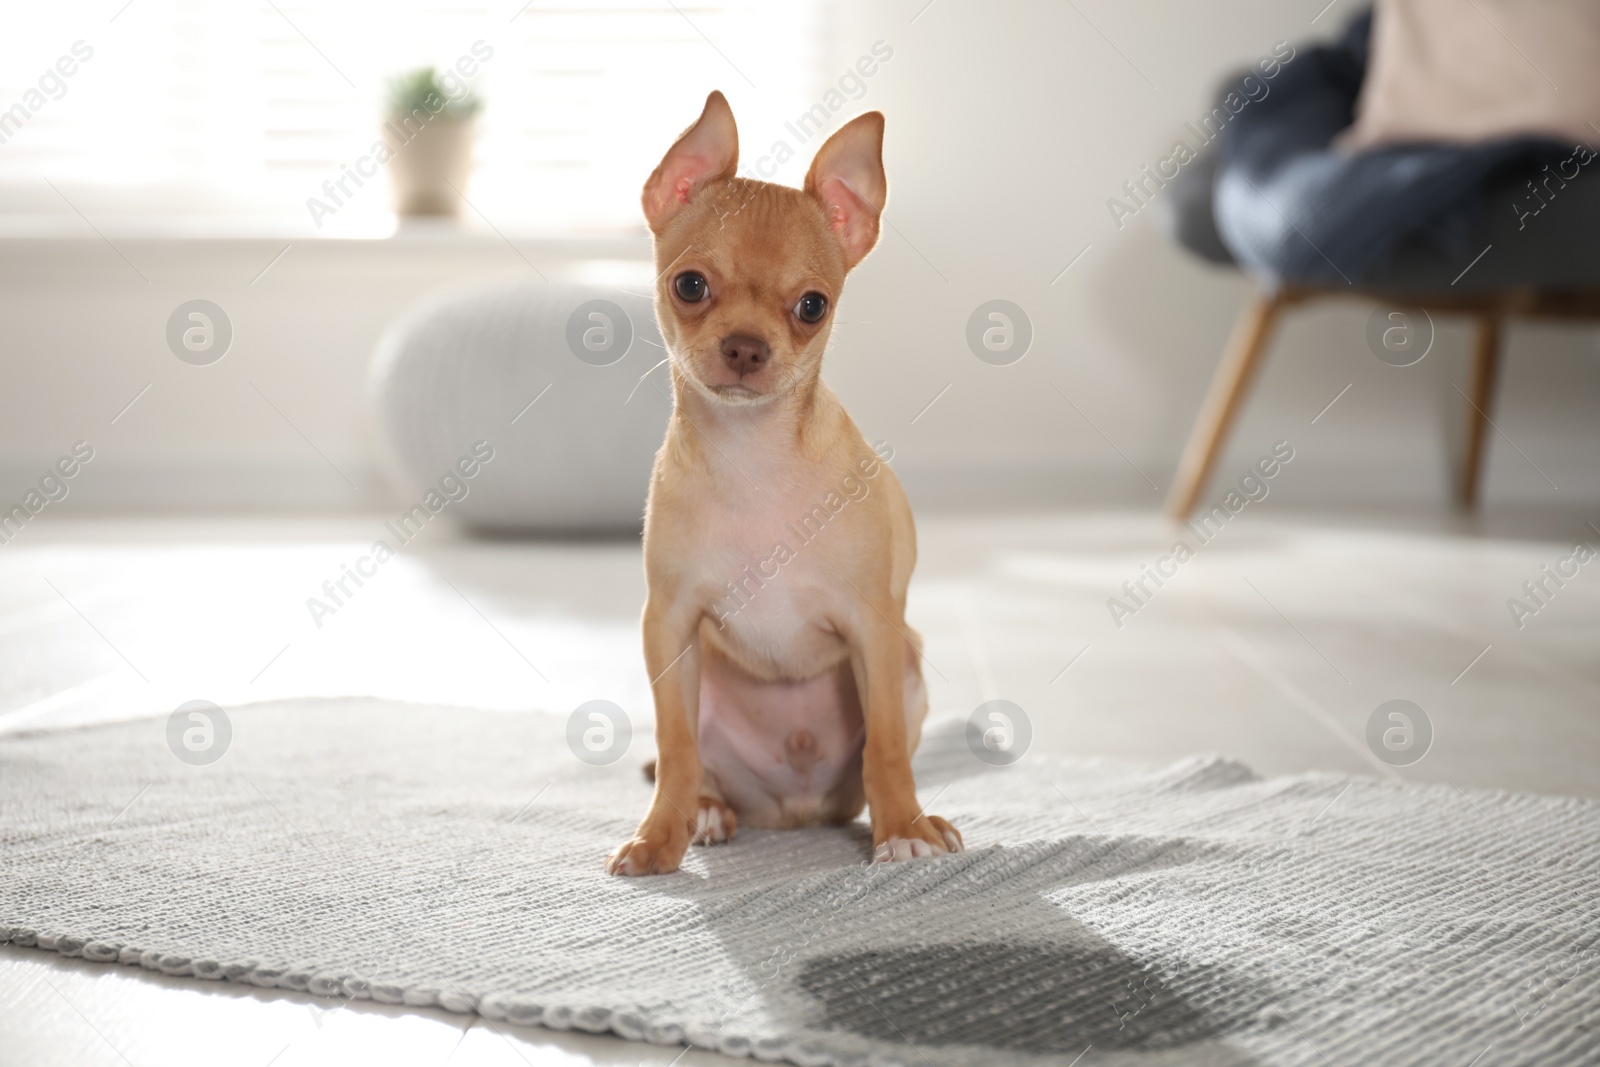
(180, 110)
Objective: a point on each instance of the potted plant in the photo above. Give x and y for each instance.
(429, 131)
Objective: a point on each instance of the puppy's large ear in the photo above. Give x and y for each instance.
(847, 177)
(706, 151)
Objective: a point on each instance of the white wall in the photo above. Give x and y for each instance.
(86, 335)
(1009, 126)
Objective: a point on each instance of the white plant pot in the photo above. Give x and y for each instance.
(429, 158)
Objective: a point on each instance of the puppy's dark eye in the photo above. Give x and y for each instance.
(691, 286)
(811, 308)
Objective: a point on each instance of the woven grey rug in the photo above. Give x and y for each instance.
(1197, 915)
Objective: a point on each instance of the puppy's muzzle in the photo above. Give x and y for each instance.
(744, 354)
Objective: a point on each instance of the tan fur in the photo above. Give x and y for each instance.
(820, 656)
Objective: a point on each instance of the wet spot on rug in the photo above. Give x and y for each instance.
(1013, 997)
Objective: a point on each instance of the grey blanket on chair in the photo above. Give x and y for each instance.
(1291, 207)
(1193, 915)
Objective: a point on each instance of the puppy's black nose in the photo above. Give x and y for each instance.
(744, 353)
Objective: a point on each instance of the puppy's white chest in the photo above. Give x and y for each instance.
(773, 596)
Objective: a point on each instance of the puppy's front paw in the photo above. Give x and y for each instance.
(715, 823)
(647, 853)
(927, 836)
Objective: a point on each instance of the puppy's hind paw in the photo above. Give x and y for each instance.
(714, 824)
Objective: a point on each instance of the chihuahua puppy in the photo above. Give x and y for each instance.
(777, 546)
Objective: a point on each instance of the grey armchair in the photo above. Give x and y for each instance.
(1543, 265)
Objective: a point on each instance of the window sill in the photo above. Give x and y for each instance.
(421, 232)
(42, 250)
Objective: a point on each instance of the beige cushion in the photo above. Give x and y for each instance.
(1475, 70)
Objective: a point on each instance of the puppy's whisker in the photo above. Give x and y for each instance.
(642, 377)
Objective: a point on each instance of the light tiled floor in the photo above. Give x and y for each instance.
(1274, 645)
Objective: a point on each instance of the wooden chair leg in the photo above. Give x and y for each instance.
(1228, 387)
(1480, 396)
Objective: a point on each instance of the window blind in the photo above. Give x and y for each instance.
(178, 108)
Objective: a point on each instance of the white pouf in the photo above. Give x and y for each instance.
(464, 367)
